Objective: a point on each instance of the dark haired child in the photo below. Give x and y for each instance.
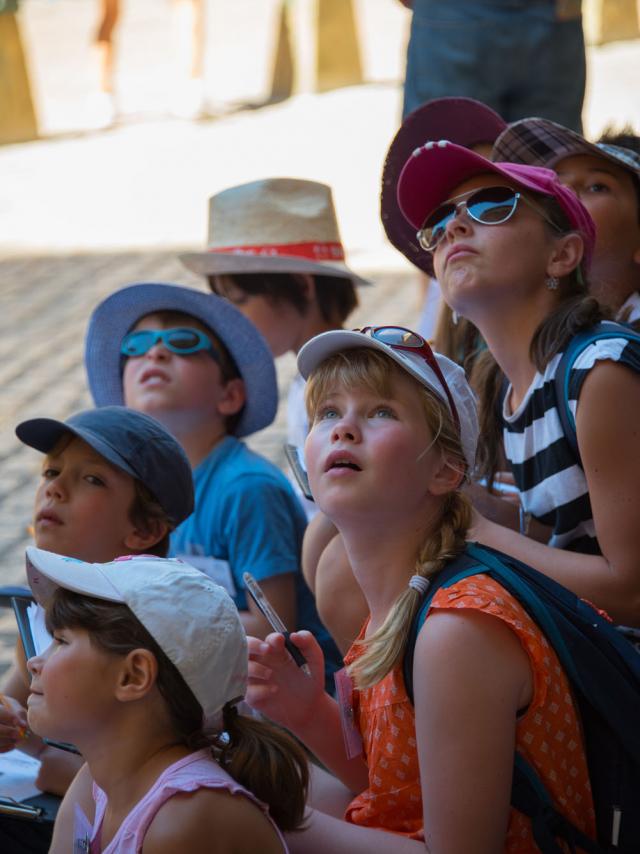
(113, 482)
(147, 666)
(275, 252)
(606, 178)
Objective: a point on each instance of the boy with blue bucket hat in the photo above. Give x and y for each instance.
(204, 371)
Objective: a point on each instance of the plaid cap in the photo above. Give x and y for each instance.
(540, 142)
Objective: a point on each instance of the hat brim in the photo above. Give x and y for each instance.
(47, 571)
(228, 263)
(464, 121)
(315, 351)
(541, 142)
(43, 434)
(118, 313)
(434, 170)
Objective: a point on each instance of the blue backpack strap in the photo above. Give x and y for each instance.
(459, 568)
(577, 345)
(528, 795)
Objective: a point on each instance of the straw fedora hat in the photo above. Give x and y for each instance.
(277, 225)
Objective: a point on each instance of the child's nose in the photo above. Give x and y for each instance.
(56, 487)
(158, 351)
(459, 222)
(34, 665)
(346, 430)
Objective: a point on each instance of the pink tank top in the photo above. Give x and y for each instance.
(195, 771)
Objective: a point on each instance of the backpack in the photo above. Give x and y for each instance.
(577, 345)
(604, 672)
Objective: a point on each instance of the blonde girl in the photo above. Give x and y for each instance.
(393, 436)
(147, 666)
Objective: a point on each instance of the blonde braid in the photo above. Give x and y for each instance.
(385, 648)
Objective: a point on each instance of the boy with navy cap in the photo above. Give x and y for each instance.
(114, 482)
(197, 364)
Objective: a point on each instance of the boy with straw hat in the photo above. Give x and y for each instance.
(274, 251)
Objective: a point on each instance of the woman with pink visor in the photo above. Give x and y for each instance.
(511, 249)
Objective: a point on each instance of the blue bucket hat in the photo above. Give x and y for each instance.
(118, 314)
(132, 441)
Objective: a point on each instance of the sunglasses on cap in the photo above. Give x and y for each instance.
(399, 338)
(488, 206)
(183, 341)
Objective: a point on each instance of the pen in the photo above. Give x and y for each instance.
(274, 621)
(23, 731)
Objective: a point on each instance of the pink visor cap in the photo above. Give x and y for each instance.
(435, 169)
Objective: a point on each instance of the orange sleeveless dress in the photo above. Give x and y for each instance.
(548, 735)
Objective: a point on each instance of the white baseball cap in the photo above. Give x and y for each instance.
(451, 387)
(193, 620)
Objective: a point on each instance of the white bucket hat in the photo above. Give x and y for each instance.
(277, 225)
(315, 351)
(193, 620)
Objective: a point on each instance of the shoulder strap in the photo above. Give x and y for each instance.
(528, 794)
(461, 567)
(577, 345)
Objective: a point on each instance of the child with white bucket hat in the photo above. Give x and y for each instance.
(147, 666)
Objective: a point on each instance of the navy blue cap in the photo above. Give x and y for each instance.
(133, 442)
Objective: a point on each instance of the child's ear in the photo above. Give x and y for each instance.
(233, 397)
(447, 477)
(137, 676)
(308, 283)
(567, 255)
(139, 540)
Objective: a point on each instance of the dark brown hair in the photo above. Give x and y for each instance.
(145, 513)
(625, 137)
(335, 295)
(576, 310)
(261, 757)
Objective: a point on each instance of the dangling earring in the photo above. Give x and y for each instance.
(552, 283)
(454, 317)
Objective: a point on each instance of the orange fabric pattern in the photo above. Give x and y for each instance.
(548, 735)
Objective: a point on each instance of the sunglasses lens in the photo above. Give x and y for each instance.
(186, 340)
(137, 343)
(395, 336)
(435, 224)
(492, 205)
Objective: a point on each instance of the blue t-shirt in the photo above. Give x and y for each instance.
(247, 519)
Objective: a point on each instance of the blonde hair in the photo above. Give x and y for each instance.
(371, 369)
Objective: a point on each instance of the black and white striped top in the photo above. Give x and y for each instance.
(552, 484)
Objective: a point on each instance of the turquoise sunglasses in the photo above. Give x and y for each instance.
(184, 341)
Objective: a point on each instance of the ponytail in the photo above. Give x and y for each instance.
(265, 760)
(268, 762)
